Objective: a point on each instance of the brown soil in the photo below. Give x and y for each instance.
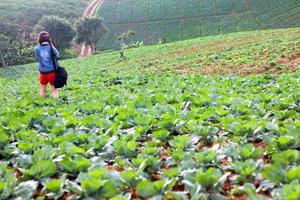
(225, 161)
(164, 154)
(156, 177)
(268, 196)
(65, 196)
(290, 64)
(283, 65)
(134, 194)
(262, 144)
(227, 186)
(114, 167)
(165, 165)
(256, 182)
(38, 192)
(259, 144)
(18, 173)
(178, 188)
(243, 197)
(202, 145)
(293, 59)
(71, 177)
(266, 159)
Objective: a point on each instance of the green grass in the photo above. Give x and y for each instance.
(175, 20)
(168, 131)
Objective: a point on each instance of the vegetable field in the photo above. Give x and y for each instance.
(155, 126)
(173, 20)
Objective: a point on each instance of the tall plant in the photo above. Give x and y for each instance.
(90, 30)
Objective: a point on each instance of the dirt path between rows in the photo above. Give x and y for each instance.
(86, 49)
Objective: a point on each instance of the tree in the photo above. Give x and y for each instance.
(14, 51)
(4, 49)
(9, 30)
(90, 30)
(126, 42)
(127, 38)
(62, 33)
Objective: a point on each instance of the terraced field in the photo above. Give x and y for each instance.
(155, 126)
(174, 20)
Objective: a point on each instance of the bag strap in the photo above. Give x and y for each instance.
(53, 56)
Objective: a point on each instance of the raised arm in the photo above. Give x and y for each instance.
(56, 52)
(36, 55)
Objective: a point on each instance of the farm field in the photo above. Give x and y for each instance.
(173, 20)
(209, 118)
(25, 14)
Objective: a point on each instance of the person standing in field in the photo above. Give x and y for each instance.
(46, 66)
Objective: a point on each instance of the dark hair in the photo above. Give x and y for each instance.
(44, 37)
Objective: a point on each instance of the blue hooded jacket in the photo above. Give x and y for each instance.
(43, 56)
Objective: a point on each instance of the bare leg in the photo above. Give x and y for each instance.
(54, 92)
(43, 90)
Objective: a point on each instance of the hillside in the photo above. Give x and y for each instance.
(209, 118)
(173, 20)
(25, 14)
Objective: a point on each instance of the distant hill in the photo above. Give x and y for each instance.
(173, 20)
(26, 13)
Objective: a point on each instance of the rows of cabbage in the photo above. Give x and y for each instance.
(152, 136)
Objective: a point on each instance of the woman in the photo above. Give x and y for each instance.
(46, 65)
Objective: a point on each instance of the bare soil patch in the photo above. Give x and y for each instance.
(286, 64)
(293, 59)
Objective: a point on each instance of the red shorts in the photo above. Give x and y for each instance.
(47, 78)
